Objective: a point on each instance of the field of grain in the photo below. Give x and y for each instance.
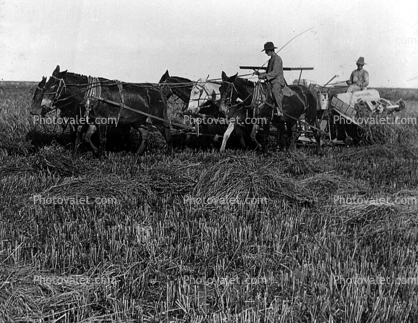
(204, 236)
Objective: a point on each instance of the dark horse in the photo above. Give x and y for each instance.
(177, 85)
(71, 111)
(302, 101)
(122, 103)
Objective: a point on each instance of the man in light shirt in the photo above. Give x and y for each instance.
(359, 79)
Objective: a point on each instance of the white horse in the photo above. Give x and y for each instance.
(204, 91)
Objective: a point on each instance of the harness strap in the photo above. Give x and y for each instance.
(93, 93)
(122, 99)
(258, 95)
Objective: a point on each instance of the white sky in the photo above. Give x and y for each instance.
(137, 41)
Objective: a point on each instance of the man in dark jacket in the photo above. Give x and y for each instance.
(274, 75)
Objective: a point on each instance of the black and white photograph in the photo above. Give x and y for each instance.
(208, 161)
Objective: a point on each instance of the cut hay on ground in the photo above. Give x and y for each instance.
(28, 295)
(53, 160)
(329, 184)
(243, 178)
(379, 151)
(300, 163)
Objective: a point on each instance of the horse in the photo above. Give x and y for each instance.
(201, 92)
(177, 85)
(196, 94)
(127, 103)
(204, 100)
(302, 101)
(73, 112)
(213, 125)
(70, 110)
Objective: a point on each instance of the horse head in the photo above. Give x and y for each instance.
(35, 107)
(202, 92)
(165, 89)
(165, 76)
(53, 88)
(228, 92)
(177, 85)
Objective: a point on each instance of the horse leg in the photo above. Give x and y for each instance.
(170, 148)
(291, 142)
(266, 136)
(73, 135)
(280, 131)
(166, 132)
(238, 132)
(103, 139)
(78, 139)
(226, 136)
(317, 136)
(144, 141)
(253, 136)
(87, 137)
(126, 132)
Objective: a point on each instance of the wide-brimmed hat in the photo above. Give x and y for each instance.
(360, 61)
(269, 46)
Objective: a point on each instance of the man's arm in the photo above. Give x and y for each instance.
(350, 81)
(277, 69)
(366, 79)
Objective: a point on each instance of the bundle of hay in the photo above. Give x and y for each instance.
(400, 129)
(379, 221)
(98, 186)
(55, 159)
(28, 295)
(299, 163)
(242, 178)
(328, 184)
(147, 186)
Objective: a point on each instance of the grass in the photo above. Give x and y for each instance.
(173, 244)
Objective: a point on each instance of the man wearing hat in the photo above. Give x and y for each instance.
(274, 76)
(359, 79)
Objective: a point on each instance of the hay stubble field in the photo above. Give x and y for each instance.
(329, 238)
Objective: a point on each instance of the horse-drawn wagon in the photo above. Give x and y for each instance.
(311, 111)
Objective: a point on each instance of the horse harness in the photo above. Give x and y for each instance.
(94, 94)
